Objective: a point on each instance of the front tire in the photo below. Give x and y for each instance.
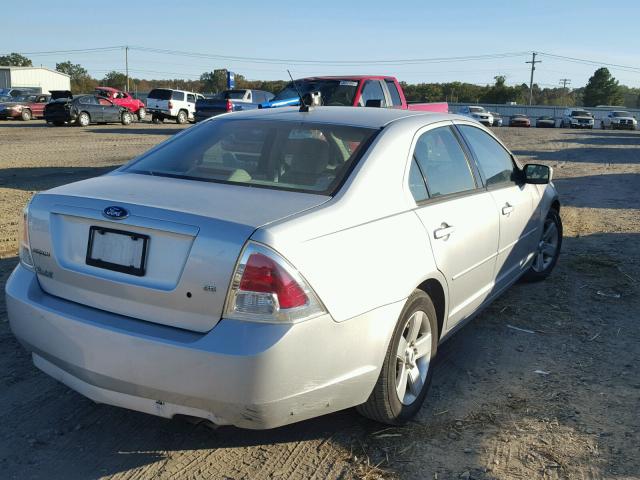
(142, 113)
(548, 250)
(83, 119)
(26, 115)
(406, 372)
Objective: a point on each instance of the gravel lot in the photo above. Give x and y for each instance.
(560, 402)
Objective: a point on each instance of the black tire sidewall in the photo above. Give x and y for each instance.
(402, 413)
(28, 115)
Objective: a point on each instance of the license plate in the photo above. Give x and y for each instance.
(117, 250)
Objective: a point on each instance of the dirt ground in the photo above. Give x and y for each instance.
(556, 397)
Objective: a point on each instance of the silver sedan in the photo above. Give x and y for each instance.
(266, 267)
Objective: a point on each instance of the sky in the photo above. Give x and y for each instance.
(335, 37)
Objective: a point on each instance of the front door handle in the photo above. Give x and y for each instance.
(444, 231)
(507, 209)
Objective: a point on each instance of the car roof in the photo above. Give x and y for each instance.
(109, 89)
(352, 116)
(349, 77)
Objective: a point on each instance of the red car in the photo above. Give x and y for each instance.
(352, 90)
(123, 99)
(24, 107)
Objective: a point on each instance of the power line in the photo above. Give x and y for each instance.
(564, 82)
(591, 62)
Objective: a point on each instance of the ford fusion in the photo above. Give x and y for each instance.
(267, 267)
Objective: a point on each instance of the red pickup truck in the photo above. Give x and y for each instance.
(123, 99)
(353, 91)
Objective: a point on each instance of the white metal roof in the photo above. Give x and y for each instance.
(12, 67)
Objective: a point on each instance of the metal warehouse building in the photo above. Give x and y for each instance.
(34, 77)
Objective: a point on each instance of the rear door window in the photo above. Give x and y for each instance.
(372, 90)
(393, 92)
(177, 96)
(495, 163)
(443, 163)
(191, 98)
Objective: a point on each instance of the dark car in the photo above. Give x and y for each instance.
(519, 120)
(546, 122)
(83, 110)
(235, 100)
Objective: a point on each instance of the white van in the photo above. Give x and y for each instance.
(178, 105)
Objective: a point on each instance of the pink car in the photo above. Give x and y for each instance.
(123, 99)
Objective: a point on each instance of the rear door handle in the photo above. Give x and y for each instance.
(507, 209)
(444, 231)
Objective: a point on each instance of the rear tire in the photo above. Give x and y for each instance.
(126, 118)
(408, 364)
(156, 119)
(182, 117)
(26, 115)
(548, 250)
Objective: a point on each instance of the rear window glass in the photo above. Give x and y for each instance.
(393, 91)
(301, 156)
(160, 94)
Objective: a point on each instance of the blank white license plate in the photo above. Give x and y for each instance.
(117, 250)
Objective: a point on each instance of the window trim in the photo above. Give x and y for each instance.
(517, 169)
(449, 196)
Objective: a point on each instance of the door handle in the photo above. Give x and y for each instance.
(444, 231)
(507, 209)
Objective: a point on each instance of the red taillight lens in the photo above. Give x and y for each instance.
(267, 288)
(170, 105)
(229, 106)
(261, 274)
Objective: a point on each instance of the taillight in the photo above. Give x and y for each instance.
(24, 246)
(170, 105)
(267, 288)
(229, 106)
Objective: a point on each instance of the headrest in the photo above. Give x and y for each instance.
(309, 155)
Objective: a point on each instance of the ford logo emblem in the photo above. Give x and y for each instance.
(116, 213)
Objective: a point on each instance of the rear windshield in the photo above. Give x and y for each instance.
(308, 157)
(333, 92)
(234, 94)
(160, 94)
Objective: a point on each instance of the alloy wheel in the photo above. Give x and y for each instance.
(413, 357)
(547, 247)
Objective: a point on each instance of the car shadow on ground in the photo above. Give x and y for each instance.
(43, 178)
(21, 124)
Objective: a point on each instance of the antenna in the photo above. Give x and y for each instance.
(303, 106)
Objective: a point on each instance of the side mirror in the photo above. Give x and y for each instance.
(537, 174)
(377, 103)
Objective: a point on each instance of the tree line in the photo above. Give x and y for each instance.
(601, 89)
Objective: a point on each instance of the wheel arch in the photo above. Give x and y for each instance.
(436, 291)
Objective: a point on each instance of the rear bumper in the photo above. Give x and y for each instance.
(160, 113)
(246, 374)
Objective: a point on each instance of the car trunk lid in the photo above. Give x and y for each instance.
(194, 232)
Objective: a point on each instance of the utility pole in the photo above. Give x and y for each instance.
(533, 62)
(564, 82)
(126, 64)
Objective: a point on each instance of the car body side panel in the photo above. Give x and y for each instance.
(364, 248)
